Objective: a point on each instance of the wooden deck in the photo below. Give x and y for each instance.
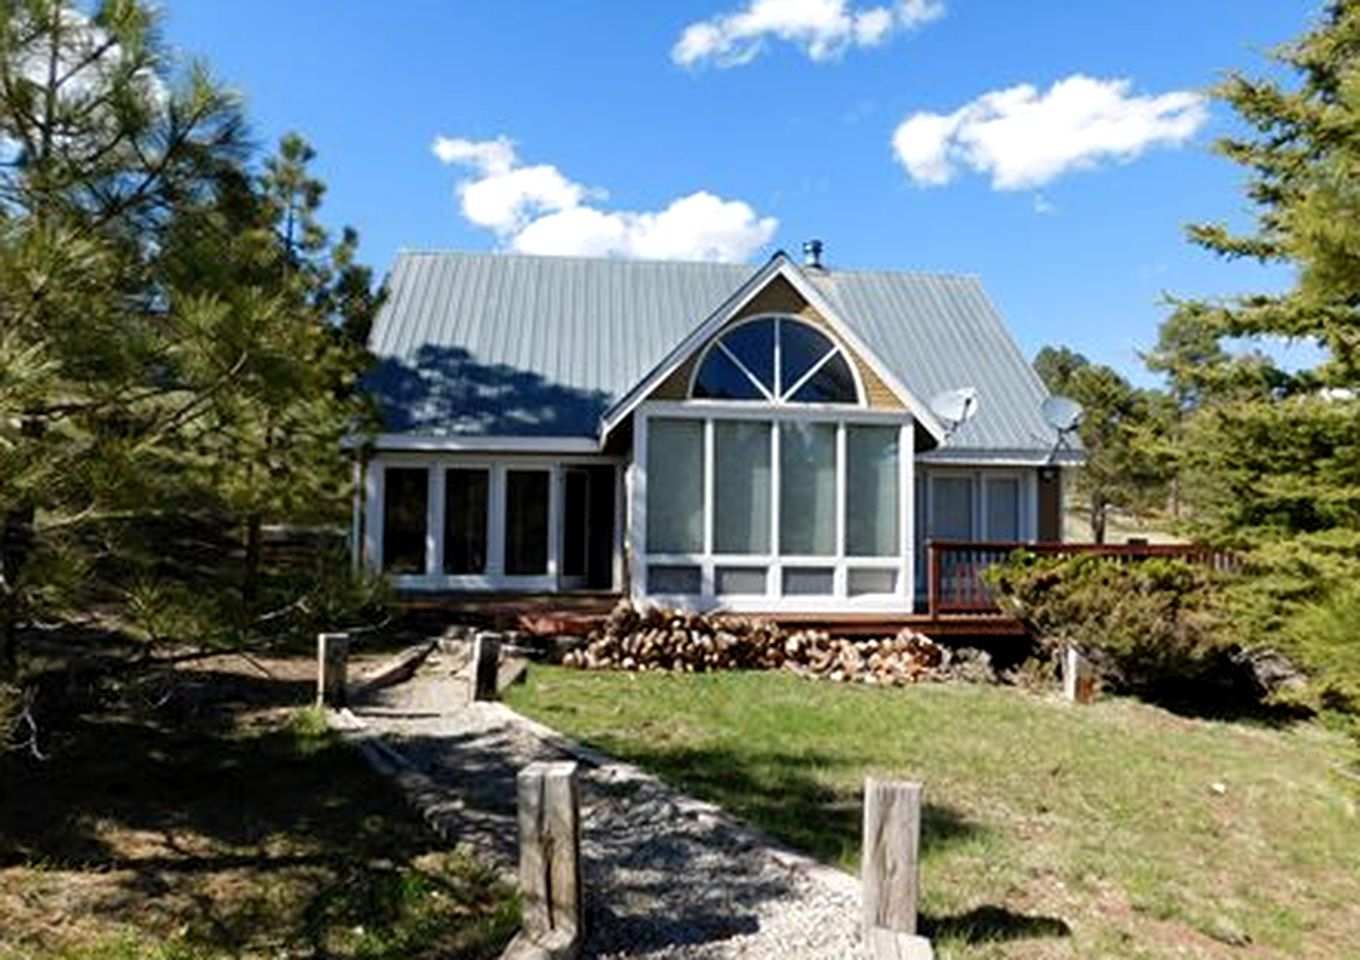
(549, 614)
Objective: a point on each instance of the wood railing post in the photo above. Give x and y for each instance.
(550, 857)
(1079, 678)
(890, 870)
(932, 578)
(486, 662)
(332, 653)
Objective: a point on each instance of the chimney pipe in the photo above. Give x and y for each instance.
(812, 254)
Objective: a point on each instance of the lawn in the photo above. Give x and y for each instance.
(209, 817)
(1115, 830)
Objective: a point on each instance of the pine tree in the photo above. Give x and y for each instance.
(97, 144)
(1270, 458)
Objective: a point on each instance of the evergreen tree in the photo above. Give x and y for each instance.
(1271, 458)
(1121, 431)
(178, 334)
(98, 145)
(1252, 418)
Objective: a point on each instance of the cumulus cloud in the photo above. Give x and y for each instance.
(824, 29)
(1023, 139)
(536, 209)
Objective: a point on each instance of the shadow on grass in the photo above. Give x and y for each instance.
(991, 924)
(785, 795)
(238, 838)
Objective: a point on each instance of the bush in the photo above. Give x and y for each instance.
(1150, 626)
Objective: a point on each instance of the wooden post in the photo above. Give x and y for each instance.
(486, 662)
(1079, 679)
(932, 578)
(332, 651)
(550, 856)
(890, 870)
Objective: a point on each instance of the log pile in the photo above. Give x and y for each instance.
(659, 639)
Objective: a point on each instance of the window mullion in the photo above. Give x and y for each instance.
(749, 375)
(812, 372)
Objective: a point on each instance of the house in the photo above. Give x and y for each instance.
(698, 434)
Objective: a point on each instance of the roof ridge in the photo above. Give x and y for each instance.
(557, 258)
(831, 272)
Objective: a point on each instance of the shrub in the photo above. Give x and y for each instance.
(1150, 626)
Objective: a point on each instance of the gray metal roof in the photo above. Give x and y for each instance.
(492, 344)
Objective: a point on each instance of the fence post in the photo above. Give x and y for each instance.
(332, 651)
(486, 662)
(550, 856)
(1079, 679)
(890, 870)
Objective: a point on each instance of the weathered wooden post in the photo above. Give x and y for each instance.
(549, 862)
(486, 662)
(890, 870)
(332, 652)
(1079, 677)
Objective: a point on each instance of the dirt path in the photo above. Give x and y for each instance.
(666, 876)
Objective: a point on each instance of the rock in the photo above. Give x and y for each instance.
(1226, 931)
(1268, 671)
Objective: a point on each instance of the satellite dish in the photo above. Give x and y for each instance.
(955, 407)
(1062, 413)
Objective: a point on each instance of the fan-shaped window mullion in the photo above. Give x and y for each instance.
(812, 372)
(755, 381)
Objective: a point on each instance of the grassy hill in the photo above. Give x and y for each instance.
(1115, 830)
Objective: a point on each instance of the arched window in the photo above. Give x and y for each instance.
(775, 360)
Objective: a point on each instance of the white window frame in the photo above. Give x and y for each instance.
(774, 397)
(843, 416)
(977, 478)
(494, 578)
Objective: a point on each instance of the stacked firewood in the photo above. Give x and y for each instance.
(659, 639)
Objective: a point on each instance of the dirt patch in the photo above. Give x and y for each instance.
(202, 818)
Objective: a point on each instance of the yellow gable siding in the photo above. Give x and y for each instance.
(780, 297)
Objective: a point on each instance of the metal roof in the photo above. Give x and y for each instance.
(493, 344)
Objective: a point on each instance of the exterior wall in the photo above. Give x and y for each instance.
(780, 297)
(1050, 505)
(493, 578)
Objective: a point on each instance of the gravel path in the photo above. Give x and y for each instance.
(666, 876)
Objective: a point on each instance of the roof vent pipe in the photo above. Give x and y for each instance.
(812, 254)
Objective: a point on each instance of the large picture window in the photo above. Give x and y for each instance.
(465, 520)
(741, 486)
(752, 509)
(871, 492)
(807, 489)
(526, 522)
(405, 511)
(675, 486)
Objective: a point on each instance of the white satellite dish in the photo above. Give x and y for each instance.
(955, 407)
(1062, 414)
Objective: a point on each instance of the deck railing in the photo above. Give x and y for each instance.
(956, 585)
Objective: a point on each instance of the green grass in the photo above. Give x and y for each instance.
(1049, 830)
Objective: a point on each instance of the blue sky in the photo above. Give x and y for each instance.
(1070, 204)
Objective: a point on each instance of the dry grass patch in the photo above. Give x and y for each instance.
(220, 824)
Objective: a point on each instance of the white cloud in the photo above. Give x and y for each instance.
(1022, 138)
(824, 29)
(536, 209)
